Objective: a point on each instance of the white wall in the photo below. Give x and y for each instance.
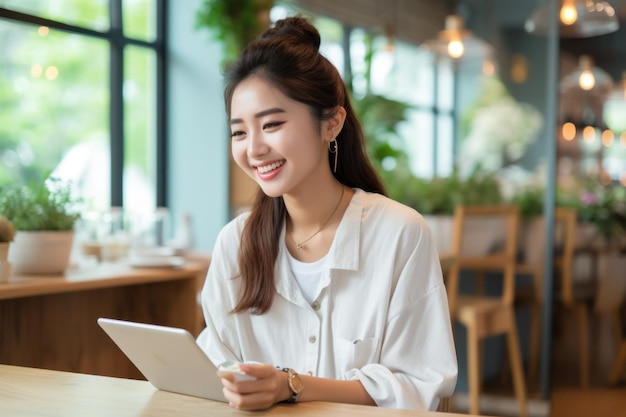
(197, 130)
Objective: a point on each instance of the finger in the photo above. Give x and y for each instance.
(245, 387)
(252, 401)
(257, 370)
(226, 375)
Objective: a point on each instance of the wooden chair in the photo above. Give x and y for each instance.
(619, 366)
(575, 297)
(610, 299)
(485, 316)
(533, 266)
(579, 297)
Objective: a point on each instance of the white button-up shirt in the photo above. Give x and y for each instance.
(381, 316)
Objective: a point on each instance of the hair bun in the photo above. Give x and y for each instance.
(295, 29)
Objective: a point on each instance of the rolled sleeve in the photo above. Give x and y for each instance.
(418, 366)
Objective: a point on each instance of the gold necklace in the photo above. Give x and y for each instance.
(301, 244)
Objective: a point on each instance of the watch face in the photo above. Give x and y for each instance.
(295, 383)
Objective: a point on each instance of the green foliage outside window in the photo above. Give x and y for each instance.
(51, 98)
(380, 118)
(55, 89)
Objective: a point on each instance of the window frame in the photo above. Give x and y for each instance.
(117, 43)
(435, 109)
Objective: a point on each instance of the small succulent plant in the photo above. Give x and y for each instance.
(7, 231)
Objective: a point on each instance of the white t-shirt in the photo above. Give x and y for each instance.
(308, 275)
(381, 316)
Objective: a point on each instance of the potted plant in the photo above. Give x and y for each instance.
(529, 199)
(7, 233)
(601, 211)
(437, 198)
(43, 214)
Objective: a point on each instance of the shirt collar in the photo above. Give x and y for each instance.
(344, 251)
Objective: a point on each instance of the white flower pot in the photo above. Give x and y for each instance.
(480, 236)
(41, 252)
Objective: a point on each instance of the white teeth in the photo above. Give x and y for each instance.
(270, 167)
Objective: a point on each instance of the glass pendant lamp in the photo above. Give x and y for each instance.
(457, 43)
(577, 19)
(582, 94)
(587, 77)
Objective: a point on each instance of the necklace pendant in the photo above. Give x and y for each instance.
(299, 246)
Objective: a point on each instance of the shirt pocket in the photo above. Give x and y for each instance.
(355, 353)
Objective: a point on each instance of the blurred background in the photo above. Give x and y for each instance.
(463, 102)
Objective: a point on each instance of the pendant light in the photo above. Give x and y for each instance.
(456, 42)
(577, 19)
(582, 94)
(587, 77)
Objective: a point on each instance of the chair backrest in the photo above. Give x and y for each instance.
(565, 229)
(608, 288)
(532, 244)
(502, 249)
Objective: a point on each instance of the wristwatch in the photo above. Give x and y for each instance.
(296, 386)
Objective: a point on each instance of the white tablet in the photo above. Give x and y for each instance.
(168, 357)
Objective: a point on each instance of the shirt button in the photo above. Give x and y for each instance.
(312, 339)
(315, 305)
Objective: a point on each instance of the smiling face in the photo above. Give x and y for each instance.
(276, 140)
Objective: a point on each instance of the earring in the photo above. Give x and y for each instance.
(333, 148)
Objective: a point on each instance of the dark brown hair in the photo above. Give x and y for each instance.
(287, 56)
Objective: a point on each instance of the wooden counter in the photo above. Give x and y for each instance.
(38, 392)
(50, 322)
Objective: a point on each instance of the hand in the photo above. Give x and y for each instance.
(269, 387)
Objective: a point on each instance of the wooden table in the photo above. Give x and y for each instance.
(50, 322)
(40, 392)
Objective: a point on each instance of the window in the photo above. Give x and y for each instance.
(404, 72)
(81, 85)
(614, 140)
(410, 74)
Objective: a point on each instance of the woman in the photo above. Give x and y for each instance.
(334, 288)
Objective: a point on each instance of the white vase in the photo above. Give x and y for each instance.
(41, 252)
(480, 236)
